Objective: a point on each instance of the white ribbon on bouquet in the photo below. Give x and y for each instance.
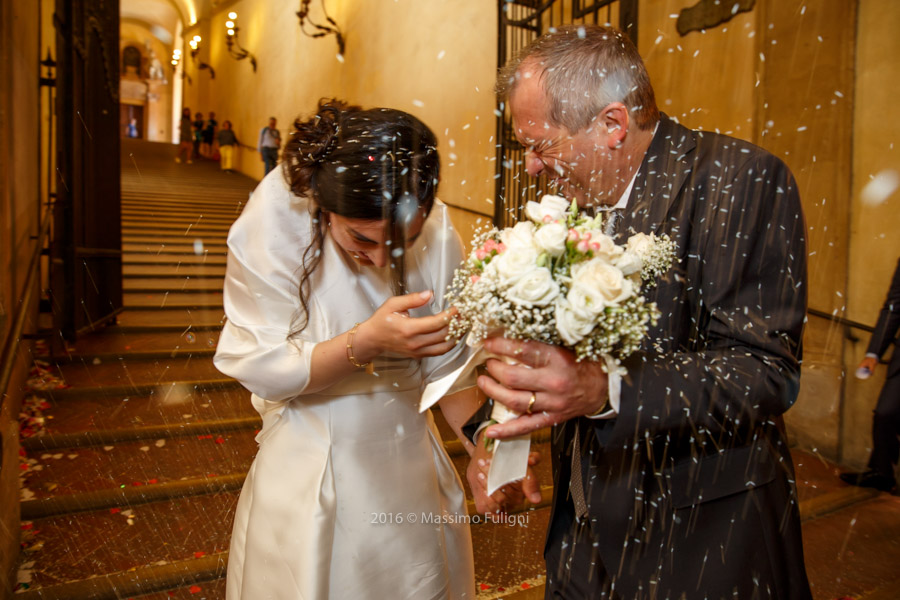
(510, 457)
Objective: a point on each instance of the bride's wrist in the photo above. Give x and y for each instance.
(361, 347)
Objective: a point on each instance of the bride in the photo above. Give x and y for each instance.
(333, 296)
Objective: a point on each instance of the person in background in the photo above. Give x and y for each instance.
(131, 129)
(185, 137)
(228, 144)
(208, 135)
(269, 143)
(197, 126)
(886, 420)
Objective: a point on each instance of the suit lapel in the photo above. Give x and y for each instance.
(659, 180)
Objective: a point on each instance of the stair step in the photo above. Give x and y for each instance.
(138, 208)
(112, 342)
(177, 320)
(184, 425)
(173, 259)
(117, 466)
(180, 197)
(168, 405)
(183, 284)
(191, 586)
(181, 249)
(169, 300)
(156, 240)
(165, 215)
(170, 228)
(157, 372)
(115, 541)
(129, 390)
(173, 271)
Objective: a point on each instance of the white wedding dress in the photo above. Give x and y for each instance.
(335, 471)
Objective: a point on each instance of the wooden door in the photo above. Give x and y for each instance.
(86, 249)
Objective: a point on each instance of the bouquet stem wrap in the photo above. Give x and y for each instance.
(510, 459)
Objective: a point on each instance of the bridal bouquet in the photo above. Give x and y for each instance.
(555, 278)
(558, 278)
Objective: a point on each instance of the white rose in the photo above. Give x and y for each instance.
(535, 288)
(640, 244)
(514, 264)
(572, 325)
(604, 246)
(629, 263)
(551, 238)
(519, 236)
(600, 283)
(554, 207)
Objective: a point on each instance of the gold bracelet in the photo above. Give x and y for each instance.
(350, 356)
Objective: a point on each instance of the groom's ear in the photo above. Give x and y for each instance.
(613, 121)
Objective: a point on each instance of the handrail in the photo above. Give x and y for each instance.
(10, 349)
(839, 320)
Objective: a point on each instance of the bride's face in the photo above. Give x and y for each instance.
(364, 239)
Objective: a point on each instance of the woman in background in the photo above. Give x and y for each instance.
(228, 144)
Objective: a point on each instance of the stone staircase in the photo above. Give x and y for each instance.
(135, 478)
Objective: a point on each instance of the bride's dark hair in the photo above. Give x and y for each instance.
(373, 164)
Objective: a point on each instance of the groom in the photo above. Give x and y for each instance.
(684, 487)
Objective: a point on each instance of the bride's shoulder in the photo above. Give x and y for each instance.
(273, 216)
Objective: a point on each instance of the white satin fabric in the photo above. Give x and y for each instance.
(317, 516)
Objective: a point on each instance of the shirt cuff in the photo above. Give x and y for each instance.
(872, 355)
(614, 394)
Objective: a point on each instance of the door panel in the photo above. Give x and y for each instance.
(86, 283)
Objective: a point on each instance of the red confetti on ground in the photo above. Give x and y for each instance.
(220, 440)
(484, 587)
(525, 585)
(115, 511)
(153, 481)
(199, 554)
(136, 483)
(205, 437)
(27, 526)
(195, 589)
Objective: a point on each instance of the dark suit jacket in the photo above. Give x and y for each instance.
(887, 326)
(690, 489)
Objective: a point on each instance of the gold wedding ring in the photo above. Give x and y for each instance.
(530, 403)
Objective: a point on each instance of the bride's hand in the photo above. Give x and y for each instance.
(391, 329)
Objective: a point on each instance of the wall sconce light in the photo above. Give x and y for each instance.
(321, 30)
(195, 50)
(231, 40)
(176, 60)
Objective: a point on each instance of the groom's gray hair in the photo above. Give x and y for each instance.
(583, 68)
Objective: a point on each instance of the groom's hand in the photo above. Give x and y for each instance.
(563, 388)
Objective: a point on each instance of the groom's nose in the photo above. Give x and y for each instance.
(533, 163)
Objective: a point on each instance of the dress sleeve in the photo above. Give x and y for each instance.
(443, 255)
(260, 300)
